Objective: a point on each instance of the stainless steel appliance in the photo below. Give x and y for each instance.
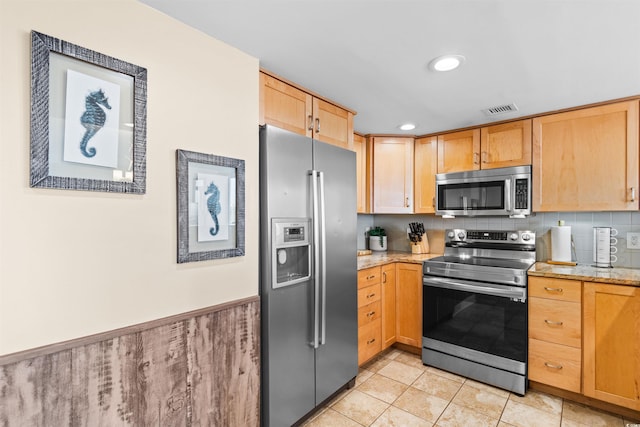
(475, 306)
(502, 191)
(308, 273)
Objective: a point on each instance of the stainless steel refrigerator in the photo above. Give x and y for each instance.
(308, 273)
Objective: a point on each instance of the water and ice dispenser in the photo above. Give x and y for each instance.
(290, 251)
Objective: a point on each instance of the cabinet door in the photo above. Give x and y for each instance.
(284, 106)
(425, 170)
(388, 305)
(587, 160)
(459, 151)
(611, 346)
(409, 304)
(363, 173)
(392, 175)
(332, 124)
(506, 145)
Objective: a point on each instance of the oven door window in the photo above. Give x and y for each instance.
(486, 323)
(471, 196)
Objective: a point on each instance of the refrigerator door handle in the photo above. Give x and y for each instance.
(316, 257)
(323, 260)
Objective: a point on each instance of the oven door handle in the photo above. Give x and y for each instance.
(475, 287)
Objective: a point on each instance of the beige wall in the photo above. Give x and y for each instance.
(75, 263)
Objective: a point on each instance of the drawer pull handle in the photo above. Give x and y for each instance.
(552, 366)
(371, 295)
(559, 290)
(371, 313)
(384, 277)
(371, 341)
(551, 322)
(371, 277)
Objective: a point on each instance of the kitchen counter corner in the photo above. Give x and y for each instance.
(387, 257)
(588, 273)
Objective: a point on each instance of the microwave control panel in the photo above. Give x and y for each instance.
(522, 193)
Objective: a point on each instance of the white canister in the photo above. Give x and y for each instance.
(376, 245)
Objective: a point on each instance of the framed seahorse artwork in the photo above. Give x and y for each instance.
(88, 119)
(210, 198)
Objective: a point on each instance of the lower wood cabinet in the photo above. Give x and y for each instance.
(389, 308)
(555, 332)
(369, 314)
(584, 337)
(612, 344)
(409, 304)
(389, 284)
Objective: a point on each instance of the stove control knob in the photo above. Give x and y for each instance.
(461, 235)
(451, 235)
(513, 236)
(526, 237)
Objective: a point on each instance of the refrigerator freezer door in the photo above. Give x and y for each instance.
(337, 358)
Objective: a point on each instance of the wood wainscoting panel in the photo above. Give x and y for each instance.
(199, 369)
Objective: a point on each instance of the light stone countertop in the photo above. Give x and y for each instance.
(386, 257)
(588, 273)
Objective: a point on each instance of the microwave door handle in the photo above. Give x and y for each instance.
(472, 287)
(507, 195)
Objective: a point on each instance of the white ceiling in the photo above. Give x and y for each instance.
(371, 55)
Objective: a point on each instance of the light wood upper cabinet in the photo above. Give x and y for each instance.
(505, 145)
(409, 304)
(426, 168)
(363, 173)
(459, 151)
(392, 175)
(612, 343)
(291, 108)
(587, 160)
(388, 305)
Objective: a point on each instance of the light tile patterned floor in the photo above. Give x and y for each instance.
(396, 389)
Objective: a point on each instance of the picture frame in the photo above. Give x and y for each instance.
(88, 119)
(211, 206)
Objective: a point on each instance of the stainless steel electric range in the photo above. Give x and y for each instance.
(475, 306)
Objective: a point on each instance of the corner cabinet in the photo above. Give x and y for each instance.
(363, 173)
(392, 175)
(425, 167)
(587, 160)
(612, 343)
(289, 107)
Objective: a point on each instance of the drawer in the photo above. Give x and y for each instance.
(558, 289)
(369, 276)
(369, 313)
(555, 321)
(369, 294)
(369, 341)
(555, 365)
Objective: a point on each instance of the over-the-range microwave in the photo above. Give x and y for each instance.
(489, 192)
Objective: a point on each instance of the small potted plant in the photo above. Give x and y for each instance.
(377, 239)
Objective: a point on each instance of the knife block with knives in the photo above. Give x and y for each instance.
(418, 237)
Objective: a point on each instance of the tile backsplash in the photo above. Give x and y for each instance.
(581, 223)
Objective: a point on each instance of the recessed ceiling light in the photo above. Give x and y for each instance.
(446, 62)
(407, 126)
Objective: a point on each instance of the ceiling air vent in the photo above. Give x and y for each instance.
(500, 109)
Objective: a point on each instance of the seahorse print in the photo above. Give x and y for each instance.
(93, 119)
(213, 204)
